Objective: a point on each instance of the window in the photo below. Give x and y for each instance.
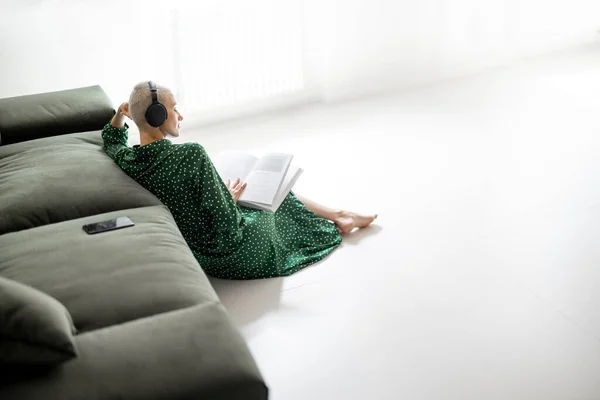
(232, 53)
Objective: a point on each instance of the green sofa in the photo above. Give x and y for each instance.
(148, 323)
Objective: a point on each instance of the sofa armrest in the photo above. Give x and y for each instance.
(36, 116)
(192, 353)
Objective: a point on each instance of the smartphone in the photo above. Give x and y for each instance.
(109, 225)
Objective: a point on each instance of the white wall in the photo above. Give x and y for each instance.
(367, 46)
(56, 45)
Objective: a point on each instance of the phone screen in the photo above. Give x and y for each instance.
(108, 225)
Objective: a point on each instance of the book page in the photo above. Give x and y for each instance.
(233, 165)
(291, 177)
(265, 178)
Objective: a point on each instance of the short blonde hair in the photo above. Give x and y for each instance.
(141, 98)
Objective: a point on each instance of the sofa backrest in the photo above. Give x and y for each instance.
(36, 116)
(61, 178)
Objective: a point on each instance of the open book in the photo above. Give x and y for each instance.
(269, 178)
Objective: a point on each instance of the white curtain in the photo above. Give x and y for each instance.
(236, 52)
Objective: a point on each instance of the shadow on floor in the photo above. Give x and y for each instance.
(246, 301)
(353, 238)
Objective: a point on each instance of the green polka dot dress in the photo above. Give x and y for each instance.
(229, 241)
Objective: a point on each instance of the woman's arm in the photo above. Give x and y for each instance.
(115, 133)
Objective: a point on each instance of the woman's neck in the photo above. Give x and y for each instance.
(149, 137)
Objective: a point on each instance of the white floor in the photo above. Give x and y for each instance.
(481, 279)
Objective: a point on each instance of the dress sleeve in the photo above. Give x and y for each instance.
(219, 210)
(115, 141)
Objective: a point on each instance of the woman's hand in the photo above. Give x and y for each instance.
(118, 120)
(124, 109)
(236, 189)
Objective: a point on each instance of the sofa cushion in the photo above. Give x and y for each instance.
(34, 327)
(188, 354)
(110, 277)
(62, 178)
(56, 113)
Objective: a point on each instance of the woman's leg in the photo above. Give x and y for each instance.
(322, 211)
(346, 221)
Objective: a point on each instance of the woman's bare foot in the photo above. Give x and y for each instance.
(346, 221)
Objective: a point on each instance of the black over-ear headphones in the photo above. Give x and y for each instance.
(156, 114)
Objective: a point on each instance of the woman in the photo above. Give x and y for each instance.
(229, 241)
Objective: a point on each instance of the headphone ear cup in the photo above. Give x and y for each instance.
(156, 115)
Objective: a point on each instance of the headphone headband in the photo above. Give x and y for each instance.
(153, 92)
(156, 114)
